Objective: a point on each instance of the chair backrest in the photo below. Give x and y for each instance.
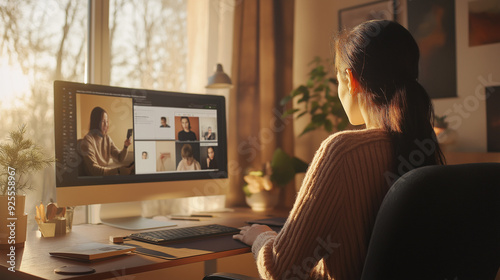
(438, 222)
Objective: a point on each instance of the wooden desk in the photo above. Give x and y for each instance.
(34, 261)
(462, 157)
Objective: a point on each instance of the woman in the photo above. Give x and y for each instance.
(98, 149)
(211, 161)
(186, 134)
(188, 162)
(327, 232)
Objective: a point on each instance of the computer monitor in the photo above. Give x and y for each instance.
(176, 144)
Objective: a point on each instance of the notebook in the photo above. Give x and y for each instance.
(92, 251)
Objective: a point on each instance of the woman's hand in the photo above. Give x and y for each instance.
(127, 143)
(248, 234)
(164, 155)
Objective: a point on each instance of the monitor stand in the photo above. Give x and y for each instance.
(127, 215)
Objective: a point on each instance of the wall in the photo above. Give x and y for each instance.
(476, 67)
(316, 21)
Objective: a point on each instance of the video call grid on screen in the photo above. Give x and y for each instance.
(164, 127)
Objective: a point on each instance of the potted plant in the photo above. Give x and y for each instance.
(446, 136)
(440, 124)
(19, 157)
(263, 186)
(320, 99)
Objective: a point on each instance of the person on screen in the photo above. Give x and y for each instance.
(209, 135)
(211, 162)
(164, 122)
(186, 134)
(188, 162)
(162, 160)
(99, 150)
(327, 232)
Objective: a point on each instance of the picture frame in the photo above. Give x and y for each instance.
(484, 21)
(492, 94)
(432, 24)
(352, 16)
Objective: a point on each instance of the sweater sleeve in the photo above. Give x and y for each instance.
(310, 232)
(92, 167)
(117, 155)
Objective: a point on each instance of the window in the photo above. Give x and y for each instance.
(41, 41)
(148, 42)
(133, 43)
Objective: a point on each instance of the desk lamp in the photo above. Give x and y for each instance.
(219, 79)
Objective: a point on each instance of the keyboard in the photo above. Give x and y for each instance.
(173, 235)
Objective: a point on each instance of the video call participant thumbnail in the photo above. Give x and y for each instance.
(209, 135)
(98, 149)
(164, 122)
(210, 161)
(186, 134)
(188, 161)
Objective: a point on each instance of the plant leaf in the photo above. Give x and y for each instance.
(333, 81)
(285, 100)
(310, 83)
(328, 125)
(305, 97)
(283, 169)
(301, 114)
(289, 112)
(310, 127)
(247, 191)
(299, 165)
(318, 119)
(314, 107)
(319, 88)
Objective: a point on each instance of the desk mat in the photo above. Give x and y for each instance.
(187, 249)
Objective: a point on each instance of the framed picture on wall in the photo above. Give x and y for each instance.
(432, 24)
(352, 16)
(493, 118)
(484, 22)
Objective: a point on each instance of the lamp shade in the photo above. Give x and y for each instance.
(219, 79)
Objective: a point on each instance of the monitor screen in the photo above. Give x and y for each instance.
(143, 142)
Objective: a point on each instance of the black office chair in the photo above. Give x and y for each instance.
(436, 222)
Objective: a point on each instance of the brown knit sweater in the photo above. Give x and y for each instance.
(98, 150)
(327, 233)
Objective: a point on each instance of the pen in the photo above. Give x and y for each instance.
(184, 219)
(194, 216)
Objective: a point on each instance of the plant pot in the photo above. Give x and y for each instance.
(264, 200)
(13, 224)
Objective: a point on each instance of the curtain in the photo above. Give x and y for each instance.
(209, 36)
(262, 76)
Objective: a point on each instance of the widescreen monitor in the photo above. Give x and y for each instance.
(117, 144)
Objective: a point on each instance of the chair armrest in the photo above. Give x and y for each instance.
(228, 276)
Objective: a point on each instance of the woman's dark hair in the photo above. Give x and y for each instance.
(189, 123)
(96, 118)
(383, 56)
(186, 151)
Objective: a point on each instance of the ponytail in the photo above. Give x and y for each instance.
(414, 140)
